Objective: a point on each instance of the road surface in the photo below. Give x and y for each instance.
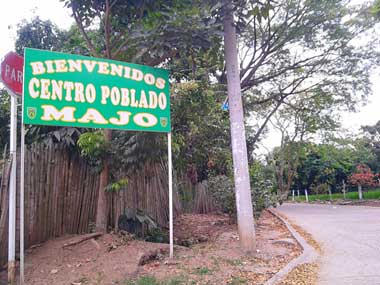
(350, 238)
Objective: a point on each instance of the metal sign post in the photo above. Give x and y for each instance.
(170, 194)
(12, 193)
(12, 76)
(22, 171)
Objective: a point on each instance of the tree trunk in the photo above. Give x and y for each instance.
(239, 147)
(101, 211)
(280, 182)
(360, 192)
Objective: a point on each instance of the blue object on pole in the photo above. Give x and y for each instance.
(225, 105)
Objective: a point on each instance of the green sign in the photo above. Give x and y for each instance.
(72, 90)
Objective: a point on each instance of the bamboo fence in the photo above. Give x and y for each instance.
(61, 192)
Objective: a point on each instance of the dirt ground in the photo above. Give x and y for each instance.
(209, 254)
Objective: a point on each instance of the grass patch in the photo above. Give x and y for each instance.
(144, 280)
(202, 271)
(335, 196)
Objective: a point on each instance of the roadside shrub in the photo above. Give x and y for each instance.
(262, 187)
(320, 188)
(221, 189)
(263, 196)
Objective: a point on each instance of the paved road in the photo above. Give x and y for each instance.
(350, 237)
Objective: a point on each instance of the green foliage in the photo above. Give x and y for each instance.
(330, 164)
(221, 189)
(202, 271)
(262, 186)
(320, 188)
(310, 62)
(324, 164)
(93, 148)
(45, 35)
(48, 135)
(371, 142)
(117, 186)
(147, 280)
(142, 31)
(130, 151)
(151, 280)
(38, 34)
(200, 132)
(4, 119)
(375, 9)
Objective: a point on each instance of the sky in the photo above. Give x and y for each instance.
(14, 11)
(17, 10)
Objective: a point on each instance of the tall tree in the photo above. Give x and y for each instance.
(304, 48)
(363, 176)
(327, 165)
(148, 32)
(371, 140)
(312, 117)
(38, 34)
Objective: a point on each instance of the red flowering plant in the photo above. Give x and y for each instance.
(363, 176)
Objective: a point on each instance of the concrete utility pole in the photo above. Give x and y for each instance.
(239, 147)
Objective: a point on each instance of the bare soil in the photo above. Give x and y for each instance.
(210, 254)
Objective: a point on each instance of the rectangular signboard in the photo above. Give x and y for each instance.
(72, 90)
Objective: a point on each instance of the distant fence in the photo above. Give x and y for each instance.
(61, 193)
